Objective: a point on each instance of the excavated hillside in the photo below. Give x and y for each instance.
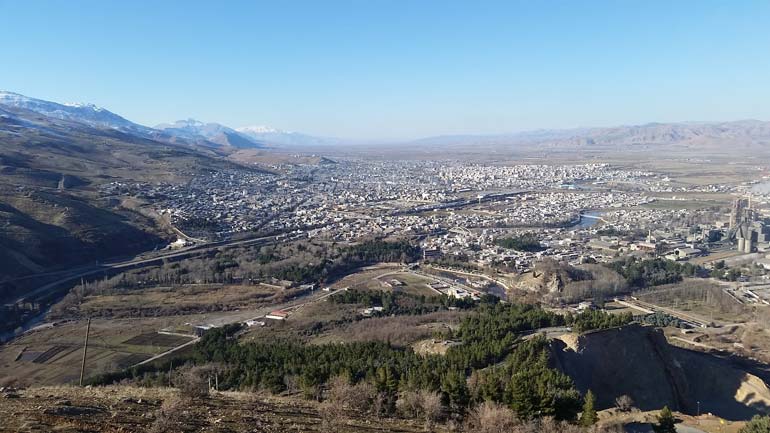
(638, 361)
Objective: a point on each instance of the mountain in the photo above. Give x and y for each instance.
(719, 136)
(278, 137)
(96, 117)
(87, 114)
(213, 132)
(247, 137)
(52, 210)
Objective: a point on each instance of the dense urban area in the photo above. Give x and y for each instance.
(452, 284)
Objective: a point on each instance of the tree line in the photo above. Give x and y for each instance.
(491, 363)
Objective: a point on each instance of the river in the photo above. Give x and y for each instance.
(585, 220)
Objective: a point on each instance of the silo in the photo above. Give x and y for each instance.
(749, 245)
(741, 244)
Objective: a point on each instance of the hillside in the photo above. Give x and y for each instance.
(212, 132)
(130, 409)
(637, 361)
(52, 213)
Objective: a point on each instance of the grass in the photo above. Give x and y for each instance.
(162, 301)
(156, 339)
(53, 356)
(127, 408)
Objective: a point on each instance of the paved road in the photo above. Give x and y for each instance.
(243, 316)
(138, 262)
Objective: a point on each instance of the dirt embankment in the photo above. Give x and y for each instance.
(638, 361)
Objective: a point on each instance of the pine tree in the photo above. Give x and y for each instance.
(589, 416)
(666, 422)
(758, 424)
(455, 388)
(521, 396)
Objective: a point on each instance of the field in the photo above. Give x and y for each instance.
(156, 339)
(53, 355)
(188, 299)
(390, 278)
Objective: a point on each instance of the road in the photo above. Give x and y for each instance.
(82, 272)
(686, 317)
(474, 274)
(166, 353)
(448, 281)
(242, 317)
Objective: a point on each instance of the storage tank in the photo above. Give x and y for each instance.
(741, 244)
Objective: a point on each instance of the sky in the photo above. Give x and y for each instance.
(375, 69)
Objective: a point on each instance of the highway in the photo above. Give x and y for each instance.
(81, 272)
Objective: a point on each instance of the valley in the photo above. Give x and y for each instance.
(424, 292)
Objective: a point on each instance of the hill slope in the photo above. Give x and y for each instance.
(212, 132)
(637, 361)
(53, 214)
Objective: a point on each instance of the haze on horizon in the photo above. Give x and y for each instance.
(395, 70)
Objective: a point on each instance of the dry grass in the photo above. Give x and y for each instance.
(129, 409)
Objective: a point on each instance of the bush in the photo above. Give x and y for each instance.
(408, 404)
(332, 415)
(422, 404)
(168, 417)
(758, 424)
(359, 397)
(192, 383)
(491, 417)
(432, 408)
(624, 403)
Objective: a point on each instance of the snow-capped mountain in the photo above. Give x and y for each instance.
(278, 137)
(259, 129)
(214, 132)
(87, 114)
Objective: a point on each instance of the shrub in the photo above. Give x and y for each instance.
(359, 397)
(758, 424)
(624, 403)
(168, 417)
(491, 417)
(192, 383)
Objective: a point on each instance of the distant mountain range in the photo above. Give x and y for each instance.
(286, 138)
(746, 133)
(87, 114)
(213, 132)
(188, 132)
(193, 133)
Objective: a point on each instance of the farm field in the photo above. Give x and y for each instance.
(53, 355)
(187, 299)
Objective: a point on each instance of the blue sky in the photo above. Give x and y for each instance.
(395, 69)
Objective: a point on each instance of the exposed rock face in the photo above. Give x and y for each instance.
(638, 361)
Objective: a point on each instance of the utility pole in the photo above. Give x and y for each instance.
(85, 351)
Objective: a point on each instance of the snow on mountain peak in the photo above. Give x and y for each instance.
(83, 105)
(259, 129)
(11, 98)
(88, 114)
